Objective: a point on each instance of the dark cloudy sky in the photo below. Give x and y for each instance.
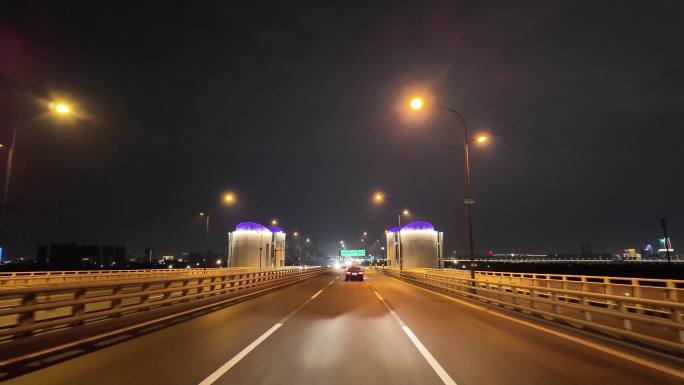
(294, 107)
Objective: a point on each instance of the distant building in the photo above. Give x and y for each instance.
(665, 245)
(631, 255)
(149, 255)
(42, 254)
(278, 249)
(89, 254)
(585, 250)
(250, 245)
(113, 255)
(648, 250)
(417, 244)
(293, 253)
(63, 254)
(392, 248)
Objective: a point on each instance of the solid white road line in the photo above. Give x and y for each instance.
(443, 375)
(244, 352)
(320, 291)
(602, 348)
(317, 293)
(439, 370)
(226, 367)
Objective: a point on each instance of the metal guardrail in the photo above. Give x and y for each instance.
(552, 260)
(648, 288)
(27, 278)
(652, 322)
(36, 309)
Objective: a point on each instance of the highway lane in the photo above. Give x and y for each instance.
(346, 338)
(478, 347)
(183, 353)
(345, 334)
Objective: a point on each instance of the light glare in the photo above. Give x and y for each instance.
(60, 108)
(229, 198)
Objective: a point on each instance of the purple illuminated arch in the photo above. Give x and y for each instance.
(419, 225)
(275, 229)
(394, 229)
(250, 226)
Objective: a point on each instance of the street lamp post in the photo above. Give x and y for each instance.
(297, 248)
(228, 199)
(260, 245)
(417, 104)
(379, 198)
(467, 200)
(54, 107)
(8, 172)
(206, 215)
(380, 231)
(307, 256)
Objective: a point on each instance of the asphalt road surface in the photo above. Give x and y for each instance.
(381, 331)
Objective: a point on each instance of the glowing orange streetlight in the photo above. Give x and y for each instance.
(60, 108)
(416, 103)
(229, 198)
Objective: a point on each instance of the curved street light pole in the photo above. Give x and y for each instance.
(467, 200)
(398, 252)
(380, 197)
(381, 228)
(206, 215)
(8, 172)
(59, 109)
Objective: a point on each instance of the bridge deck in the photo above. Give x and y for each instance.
(346, 335)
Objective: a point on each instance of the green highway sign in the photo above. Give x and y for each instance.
(353, 253)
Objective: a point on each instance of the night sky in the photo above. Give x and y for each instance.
(295, 108)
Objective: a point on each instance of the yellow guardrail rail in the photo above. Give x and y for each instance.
(28, 278)
(657, 323)
(37, 309)
(650, 288)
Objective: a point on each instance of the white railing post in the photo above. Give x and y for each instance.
(626, 323)
(671, 290)
(27, 318)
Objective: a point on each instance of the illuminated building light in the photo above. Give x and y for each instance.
(419, 225)
(250, 226)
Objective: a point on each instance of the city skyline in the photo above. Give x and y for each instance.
(585, 132)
